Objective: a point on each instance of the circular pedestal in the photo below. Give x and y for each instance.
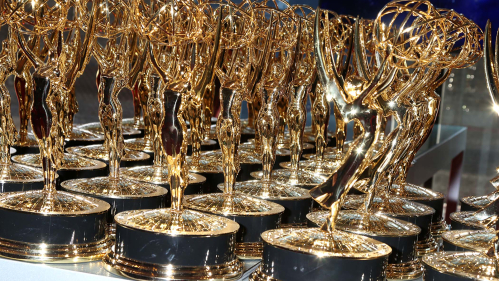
(164, 244)
(253, 215)
(299, 179)
(293, 254)
(459, 266)
(62, 228)
(415, 213)
(122, 194)
(16, 177)
(130, 123)
(83, 137)
(324, 168)
(281, 154)
(28, 147)
(474, 203)
(466, 220)
(131, 158)
(400, 235)
(468, 240)
(140, 144)
(73, 166)
(306, 146)
(96, 128)
(296, 201)
(159, 176)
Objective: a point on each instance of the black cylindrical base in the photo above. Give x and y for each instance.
(26, 149)
(296, 211)
(212, 180)
(431, 274)
(287, 265)
(20, 186)
(65, 175)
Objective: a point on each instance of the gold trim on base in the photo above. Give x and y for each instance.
(437, 228)
(147, 271)
(249, 250)
(405, 271)
(258, 275)
(293, 225)
(47, 253)
(426, 246)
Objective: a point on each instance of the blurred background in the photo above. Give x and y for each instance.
(465, 99)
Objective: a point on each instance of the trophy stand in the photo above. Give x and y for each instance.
(158, 173)
(31, 218)
(13, 177)
(121, 193)
(253, 215)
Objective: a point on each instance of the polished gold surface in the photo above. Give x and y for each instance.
(69, 162)
(473, 240)
(19, 173)
(474, 219)
(249, 250)
(391, 206)
(288, 177)
(99, 152)
(83, 135)
(228, 204)
(472, 265)
(405, 271)
(327, 244)
(270, 190)
(114, 188)
(372, 224)
(60, 203)
(172, 222)
(47, 253)
(96, 128)
(480, 202)
(155, 174)
(141, 271)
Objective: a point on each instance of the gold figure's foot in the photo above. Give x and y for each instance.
(469, 240)
(16, 177)
(252, 214)
(288, 177)
(460, 266)
(80, 223)
(164, 244)
(325, 167)
(159, 176)
(299, 253)
(297, 201)
(96, 128)
(140, 144)
(98, 152)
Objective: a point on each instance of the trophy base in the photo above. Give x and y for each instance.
(475, 203)
(96, 128)
(312, 254)
(131, 158)
(58, 227)
(140, 144)
(16, 177)
(30, 146)
(426, 246)
(466, 220)
(130, 123)
(83, 137)
(137, 270)
(468, 240)
(307, 148)
(288, 177)
(159, 176)
(253, 215)
(400, 235)
(281, 155)
(122, 194)
(421, 195)
(459, 266)
(164, 244)
(296, 201)
(249, 250)
(325, 167)
(72, 167)
(330, 154)
(405, 271)
(437, 228)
